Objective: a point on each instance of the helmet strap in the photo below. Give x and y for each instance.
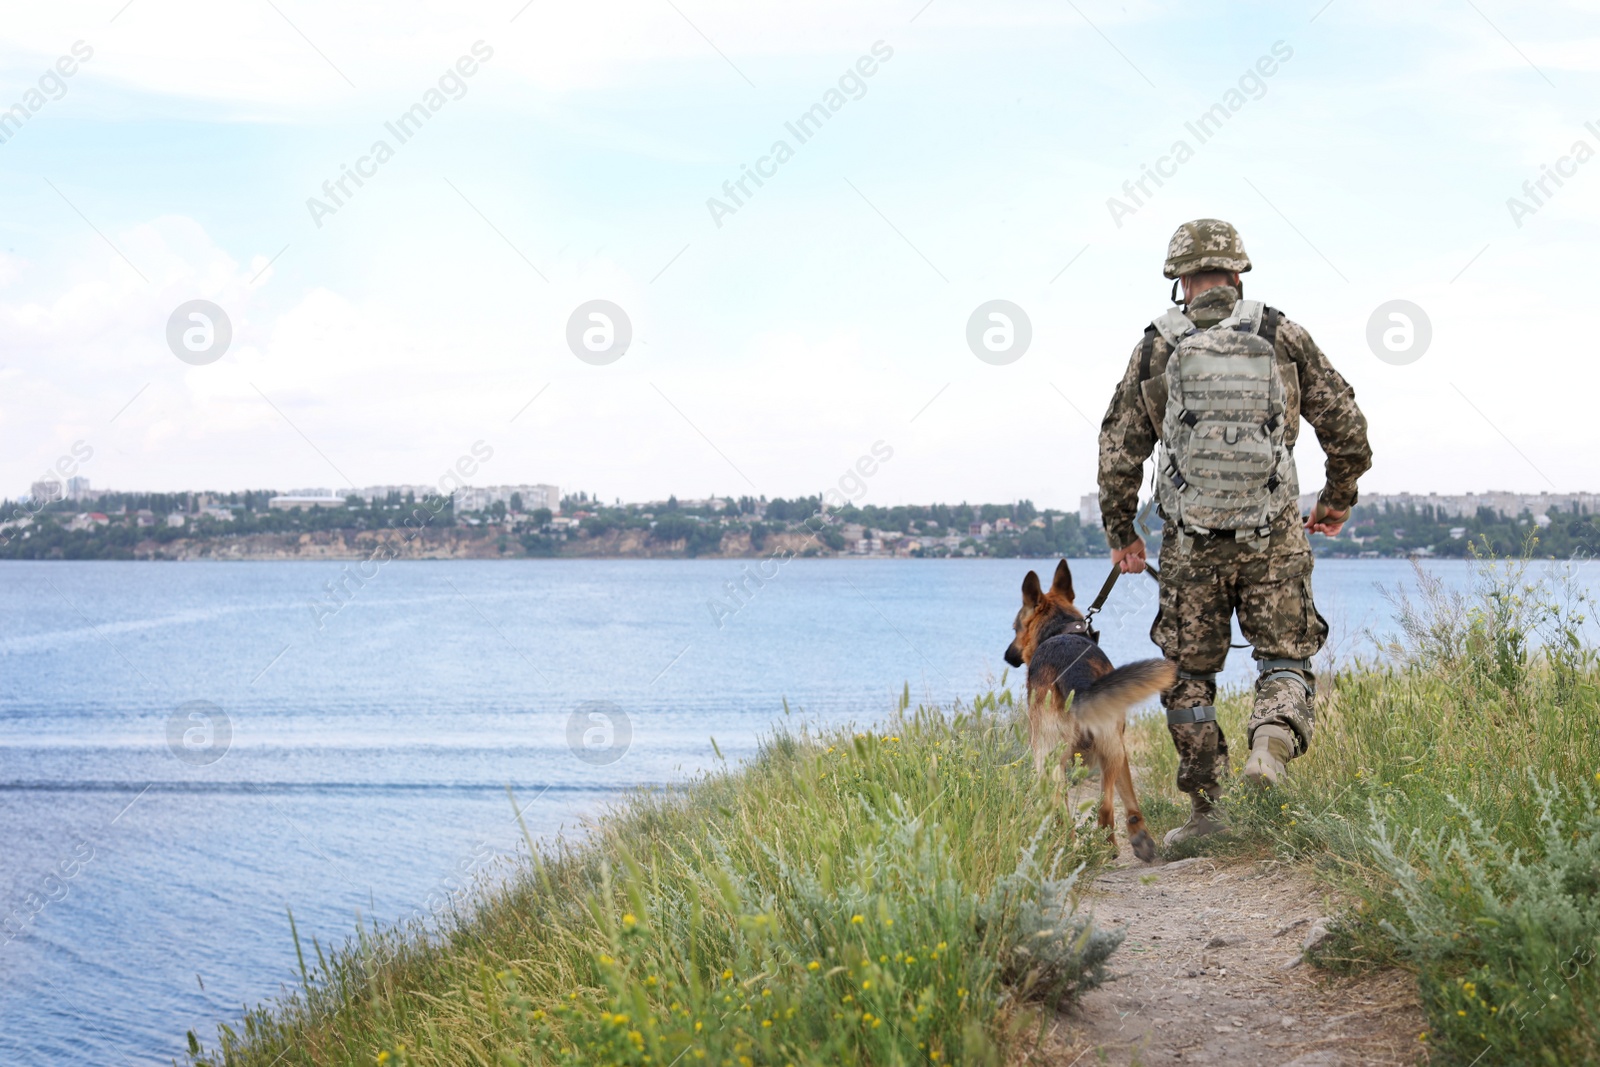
(1175, 283)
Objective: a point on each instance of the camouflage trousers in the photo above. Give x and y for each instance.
(1269, 590)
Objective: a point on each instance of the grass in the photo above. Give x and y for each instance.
(1450, 794)
(906, 896)
(895, 897)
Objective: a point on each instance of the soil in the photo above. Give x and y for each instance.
(1211, 972)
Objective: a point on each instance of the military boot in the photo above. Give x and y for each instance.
(1270, 752)
(1202, 821)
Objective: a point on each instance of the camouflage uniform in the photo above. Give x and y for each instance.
(1206, 580)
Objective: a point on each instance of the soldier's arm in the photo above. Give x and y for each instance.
(1126, 440)
(1329, 404)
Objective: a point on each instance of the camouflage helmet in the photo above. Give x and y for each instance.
(1205, 244)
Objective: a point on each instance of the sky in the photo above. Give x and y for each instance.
(381, 332)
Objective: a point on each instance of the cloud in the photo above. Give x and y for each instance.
(424, 315)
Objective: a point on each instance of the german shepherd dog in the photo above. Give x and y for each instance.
(1077, 699)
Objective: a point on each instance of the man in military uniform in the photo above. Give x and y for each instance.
(1263, 575)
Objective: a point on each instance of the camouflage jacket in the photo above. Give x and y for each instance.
(1132, 425)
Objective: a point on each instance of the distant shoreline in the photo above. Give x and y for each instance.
(1379, 535)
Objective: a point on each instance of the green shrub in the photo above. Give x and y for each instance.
(1504, 942)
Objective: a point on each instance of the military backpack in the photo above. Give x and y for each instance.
(1224, 465)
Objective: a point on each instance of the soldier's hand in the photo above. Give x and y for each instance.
(1325, 520)
(1130, 558)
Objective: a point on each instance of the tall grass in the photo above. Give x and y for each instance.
(1450, 791)
(896, 897)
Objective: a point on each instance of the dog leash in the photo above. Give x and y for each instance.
(1116, 572)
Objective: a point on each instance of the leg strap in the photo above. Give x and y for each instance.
(1197, 676)
(1184, 716)
(1289, 668)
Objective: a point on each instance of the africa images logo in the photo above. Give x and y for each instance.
(802, 129)
(402, 129)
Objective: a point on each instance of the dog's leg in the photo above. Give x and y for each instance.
(1040, 736)
(1108, 781)
(1138, 835)
(1045, 726)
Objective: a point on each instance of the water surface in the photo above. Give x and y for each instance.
(189, 750)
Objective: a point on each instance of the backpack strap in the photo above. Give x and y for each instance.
(1147, 352)
(1270, 319)
(1246, 318)
(1173, 325)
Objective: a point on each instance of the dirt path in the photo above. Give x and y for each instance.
(1205, 977)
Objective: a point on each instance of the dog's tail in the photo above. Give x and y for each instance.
(1106, 702)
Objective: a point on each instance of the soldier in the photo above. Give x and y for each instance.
(1227, 417)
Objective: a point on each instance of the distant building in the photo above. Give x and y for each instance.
(78, 489)
(1466, 505)
(46, 492)
(300, 500)
(382, 493)
(1454, 506)
(88, 521)
(531, 497)
(710, 503)
(144, 517)
(1089, 510)
(176, 519)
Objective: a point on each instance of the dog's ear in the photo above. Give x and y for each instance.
(1030, 591)
(1063, 580)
